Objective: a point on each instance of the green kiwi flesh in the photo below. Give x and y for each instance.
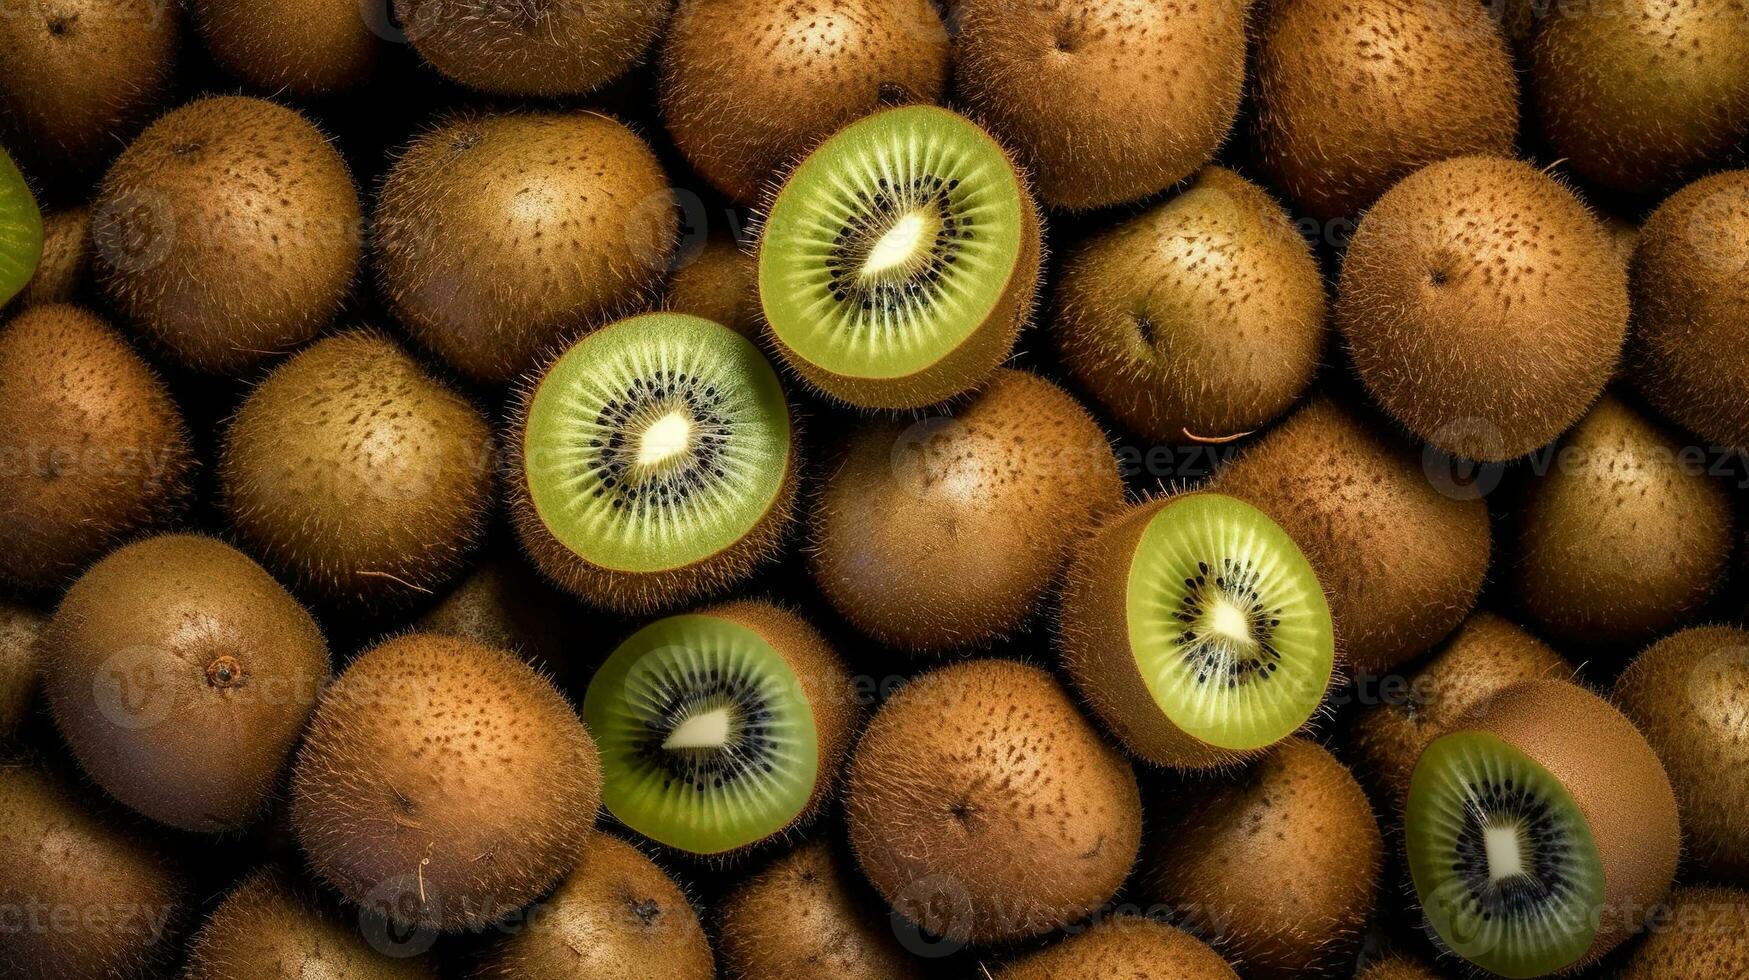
(21, 231)
(898, 260)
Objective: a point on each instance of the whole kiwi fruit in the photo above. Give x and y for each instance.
(1700, 932)
(97, 447)
(1352, 97)
(444, 783)
(548, 47)
(1484, 305)
(1140, 948)
(1398, 968)
(748, 86)
(20, 627)
(357, 475)
(305, 47)
(499, 235)
(719, 284)
(171, 646)
(1203, 316)
(503, 603)
(63, 275)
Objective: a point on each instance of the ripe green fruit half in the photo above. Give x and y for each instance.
(21, 231)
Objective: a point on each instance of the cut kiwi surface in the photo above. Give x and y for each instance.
(21, 231)
(899, 258)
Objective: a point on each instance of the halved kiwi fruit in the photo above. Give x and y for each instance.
(544, 47)
(1197, 630)
(20, 627)
(899, 260)
(306, 47)
(21, 231)
(1700, 933)
(654, 463)
(721, 728)
(1541, 831)
(1132, 948)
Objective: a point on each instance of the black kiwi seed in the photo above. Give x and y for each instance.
(683, 697)
(646, 399)
(1546, 839)
(1235, 585)
(880, 211)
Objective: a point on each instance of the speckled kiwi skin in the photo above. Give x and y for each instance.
(357, 475)
(500, 236)
(1633, 93)
(805, 915)
(271, 928)
(444, 783)
(1690, 303)
(618, 915)
(1401, 562)
(749, 86)
(64, 273)
(229, 231)
(97, 448)
(1139, 949)
(719, 284)
(1620, 486)
(1204, 315)
(306, 47)
(1484, 305)
(1281, 866)
(1703, 933)
(1353, 95)
(1399, 968)
(948, 533)
(532, 47)
(1689, 694)
(19, 628)
(985, 808)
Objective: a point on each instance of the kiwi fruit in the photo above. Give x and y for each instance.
(654, 462)
(1279, 867)
(20, 627)
(984, 808)
(1137, 948)
(1484, 306)
(806, 914)
(1589, 67)
(749, 86)
(1105, 102)
(1689, 302)
(899, 260)
(96, 447)
(1353, 97)
(719, 283)
(444, 784)
(1202, 316)
(618, 915)
(1701, 932)
(304, 47)
(81, 75)
(1541, 830)
(497, 236)
(86, 896)
(1689, 694)
(357, 475)
(1485, 655)
(1196, 630)
(538, 48)
(1398, 968)
(1401, 561)
(503, 603)
(21, 231)
(64, 273)
(1620, 485)
(695, 715)
(949, 532)
(271, 927)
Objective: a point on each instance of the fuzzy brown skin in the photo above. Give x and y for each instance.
(444, 783)
(749, 86)
(720, 284)
(356, 474)
(271, 927)
(805, 915)
(504, 604)
(986, 809)
(20, 626)
(1281, 866)
(109, 905)
(1400, 561)
(1139, 949)
(617, 916)
(81, 75)
(1399, 968)
(1487, 654)
(228, 658)
(1703, 933)
(305, 47)
(1484, 305)
(499, 236)
(1204, 316)
(1634, 93)
(532, 47)
(64, 273)
(98, 447)
(1103, 102)
(1690, 302)
(1620, 485)
(1354, 95)
(1689, 693)
(229, 231)
(949, 532)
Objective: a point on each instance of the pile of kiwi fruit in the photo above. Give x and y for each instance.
(874, 489)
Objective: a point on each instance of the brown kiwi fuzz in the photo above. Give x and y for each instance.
(718, 283)
(949, 531)
(532, 47)
(1398, 968)
(1203, 316)
(503, 603)
(1123, 947)
(100, 447)
(64, 274)
(1700, 932)
(305, 47)
(20, 626)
